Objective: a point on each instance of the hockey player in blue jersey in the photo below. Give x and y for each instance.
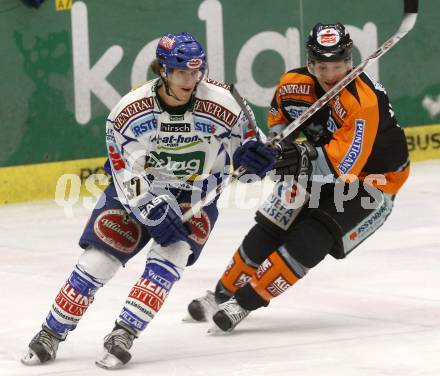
(168, 140)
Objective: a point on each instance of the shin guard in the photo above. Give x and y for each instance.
(71, 302)
(238, 272)
(163, 268)
(275, 275)
(93, 270)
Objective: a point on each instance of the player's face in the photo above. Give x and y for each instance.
(182, 82)
(329, 73)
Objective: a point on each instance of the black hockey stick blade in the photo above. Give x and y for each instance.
(411, 6)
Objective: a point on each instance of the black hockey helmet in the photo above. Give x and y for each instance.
(329, 43)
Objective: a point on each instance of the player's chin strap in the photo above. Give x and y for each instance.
(407, 23)
(168, 90)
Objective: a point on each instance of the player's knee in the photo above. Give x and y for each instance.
(100, 265)
(309, 242)
(174, 257)
(259, 243)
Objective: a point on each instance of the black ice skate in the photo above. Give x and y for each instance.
(42, 348)
(202, 309)
(229, 315)
(116, 348)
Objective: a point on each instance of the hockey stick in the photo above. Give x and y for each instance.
(235, 175)
(407, 24)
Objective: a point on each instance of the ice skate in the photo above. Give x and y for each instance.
(229, 315)
(116, 348)
(42, 348)
(202, 309)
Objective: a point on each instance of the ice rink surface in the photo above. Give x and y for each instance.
(374, 313)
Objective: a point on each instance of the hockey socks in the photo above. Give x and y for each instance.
(238, 272)
(71, 302)
(93, 270)
(163, 268)
(274, 276)
(148, 295)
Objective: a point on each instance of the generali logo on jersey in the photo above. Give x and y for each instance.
(216, 110)
(338, 108)
(301, 89)
(133, 109)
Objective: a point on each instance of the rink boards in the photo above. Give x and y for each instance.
(70, 179)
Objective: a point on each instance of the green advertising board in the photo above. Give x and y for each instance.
(65, 64)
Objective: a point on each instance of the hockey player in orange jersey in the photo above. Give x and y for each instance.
(355, 154)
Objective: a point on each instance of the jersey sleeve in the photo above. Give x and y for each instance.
(275, 116)
(127, 159)
(351, 145)
(245, 130)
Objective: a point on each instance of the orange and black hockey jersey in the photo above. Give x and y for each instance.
(355, 133)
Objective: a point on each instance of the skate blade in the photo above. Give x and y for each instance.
(108, 361)
(191, 320)
(188, 319)
(214, 331)
(30, 358)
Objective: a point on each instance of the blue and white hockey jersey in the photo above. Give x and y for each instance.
(147, 144)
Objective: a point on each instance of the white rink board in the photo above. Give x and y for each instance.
(375, 313)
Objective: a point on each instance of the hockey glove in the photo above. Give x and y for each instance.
(295, 159)
(255, 157)
(164, 224)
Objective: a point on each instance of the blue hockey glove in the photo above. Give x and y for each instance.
(164, 224)
(256, 157)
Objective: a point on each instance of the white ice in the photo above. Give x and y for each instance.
(375, 313)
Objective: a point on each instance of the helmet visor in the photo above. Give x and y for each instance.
(185, 77)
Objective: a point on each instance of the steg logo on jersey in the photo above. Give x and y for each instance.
(175, 127)
(179, 165)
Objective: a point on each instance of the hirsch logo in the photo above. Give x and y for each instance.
(194, 63)
(178, 165)
(167, 42)
(175, 127)
(328, 37)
